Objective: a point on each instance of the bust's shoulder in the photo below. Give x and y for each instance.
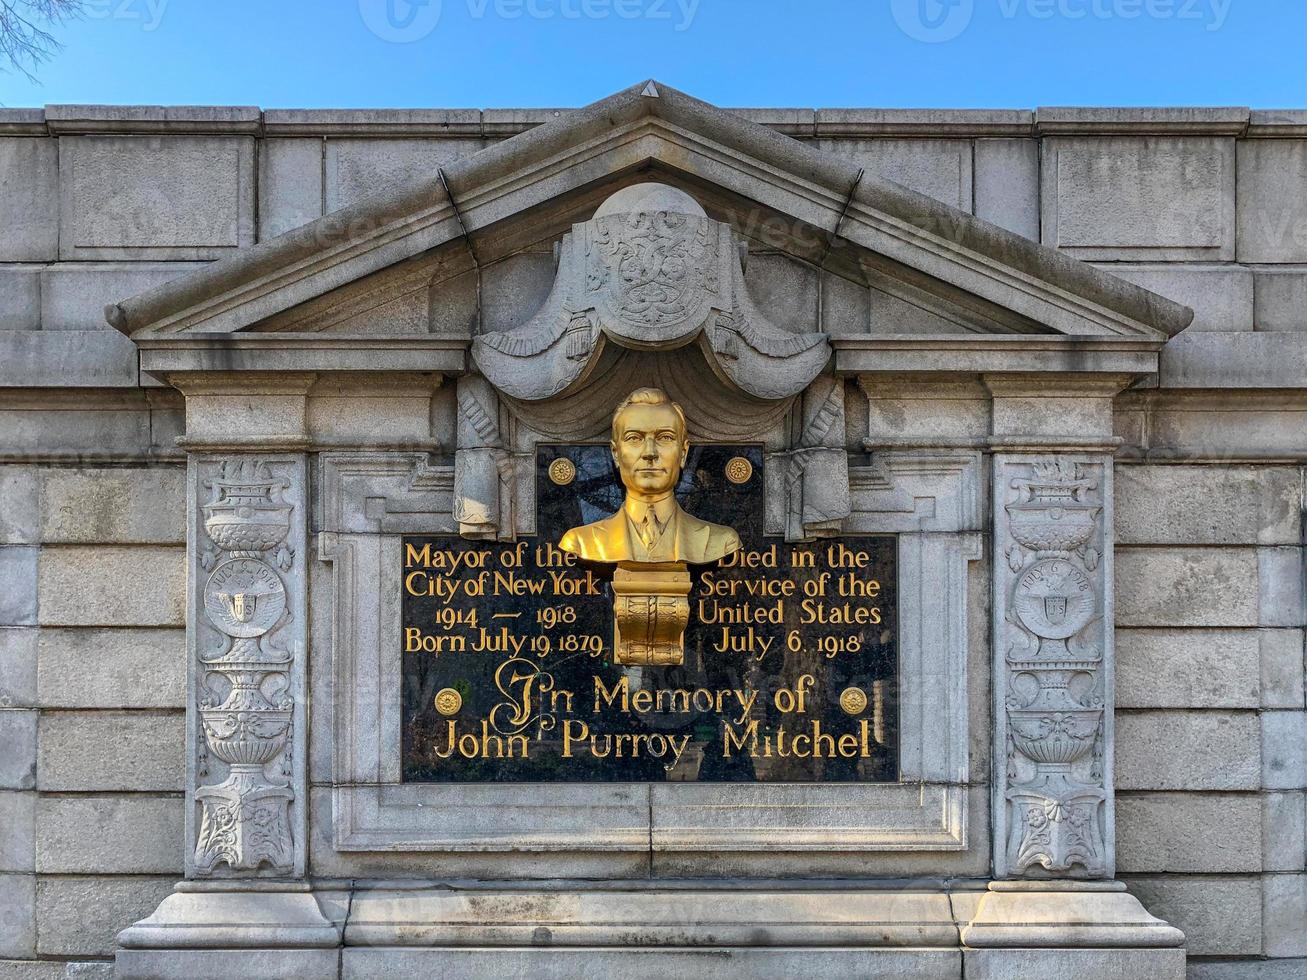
(589, 541)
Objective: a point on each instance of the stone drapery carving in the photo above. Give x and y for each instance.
(1052, 562)
(650, 271)
(247, 637)
(483, 468)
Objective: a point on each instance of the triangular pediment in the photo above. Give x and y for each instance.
(408, 277)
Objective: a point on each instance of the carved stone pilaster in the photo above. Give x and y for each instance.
(1052, 666)
(483, 468)
(246, 639)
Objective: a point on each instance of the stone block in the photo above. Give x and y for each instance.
(1181, 668)
(1282, 586)
(134, 834)
(18, 565)
(18, 504)
(1194, 750)
(1188, 832)
(1272, 207)
(1007, 184)
(1284, 749)
(155, 197)
(227, 964)
(786, 289)
(1187, 587)
(111, 668)
(358, 168)
(111, 750)
(941, 169)
(18, 760)
(74, 294)
(99, 358)
(20, 298)
(1220, 916)
(290, 184)
(1282, 668)
(80, 916)
(112, 586)
(1147, 198)
(1249, 969)
(29, 199)
(113, 506)
(1220, 296)
(1280, 299)
(1284, 831)
(17, 667)
(1235, 360)
(17, 831)
(1284, 915)
(1074, 964)
(17, 915)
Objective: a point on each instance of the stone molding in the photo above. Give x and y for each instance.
(927, 810)
(1052, 682)
(247, 642)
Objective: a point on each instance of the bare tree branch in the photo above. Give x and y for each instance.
(25, 44)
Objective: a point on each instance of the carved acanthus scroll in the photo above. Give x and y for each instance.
(248, 636)
(814, 473)
(1052, 559)
(483, 467)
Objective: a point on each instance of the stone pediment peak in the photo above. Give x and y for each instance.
(651, 125)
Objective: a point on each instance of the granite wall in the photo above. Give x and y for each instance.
(1206, 206)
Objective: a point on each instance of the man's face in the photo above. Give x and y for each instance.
(650, 448)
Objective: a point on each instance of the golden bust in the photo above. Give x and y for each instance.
(649, 446)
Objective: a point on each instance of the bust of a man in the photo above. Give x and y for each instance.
(649, 445)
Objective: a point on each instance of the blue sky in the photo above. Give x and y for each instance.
(532, 53)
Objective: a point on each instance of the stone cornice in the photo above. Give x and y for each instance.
(971, 354)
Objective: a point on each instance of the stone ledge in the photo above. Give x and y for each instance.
(1110, 121)
(153, 119)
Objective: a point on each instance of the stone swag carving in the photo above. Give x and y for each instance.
(1052, 643)
(244, 764)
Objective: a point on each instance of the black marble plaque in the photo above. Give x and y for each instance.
(791, 653)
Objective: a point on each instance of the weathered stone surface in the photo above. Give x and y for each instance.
(1181, 668)
(80, 916)
(1187, 587)
(1282, 585)
(1007, 184)
(1284, 749)
(144, 197)
(111, 750)
(1074, 964)
(1284, 911)
(17, 915)
(1272, 209)
(17, 585)
(1282, 669)
(29, 200)
(1188, 832)
(111, 668)
(1284, 831)
(18, 504)
(290, 184)
(1235, 360)
(356, 168)
(1196, 750)
(1280, 299)
(112, 586)
(940, 169)
(20, 298)
(1220, 916)
(1151, 198)
(1220, 296)
(224, 964)
(17, 831)
(74, 294)
(133, 834)
(17, 666)
(1249, 969)
(113, 506)
(18, 760)
(69, 359)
